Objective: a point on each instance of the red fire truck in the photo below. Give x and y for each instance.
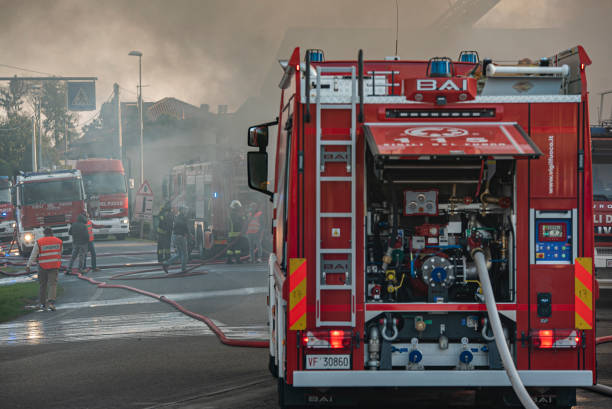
(7, 219)
(47, 199)
(602, 194)
(433, 229)
(207, 189)
(107, 198)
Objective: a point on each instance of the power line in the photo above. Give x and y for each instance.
(25, 69)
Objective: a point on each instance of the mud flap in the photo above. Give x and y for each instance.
(557, 398)
(290, 397)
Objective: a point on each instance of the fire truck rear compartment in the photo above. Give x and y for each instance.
(424, 219)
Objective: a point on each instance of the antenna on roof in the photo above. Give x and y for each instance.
(396, 24)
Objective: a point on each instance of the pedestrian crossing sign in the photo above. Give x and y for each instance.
(81, 95)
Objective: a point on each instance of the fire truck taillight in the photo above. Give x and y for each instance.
(332, 339)
(555, 338)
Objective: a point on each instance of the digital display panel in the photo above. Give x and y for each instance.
(552, 232)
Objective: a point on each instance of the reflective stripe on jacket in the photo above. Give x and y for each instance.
(90, 230)
(254, 223)
(49, 252)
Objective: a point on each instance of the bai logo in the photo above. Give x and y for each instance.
(448, 85)
(436, 132)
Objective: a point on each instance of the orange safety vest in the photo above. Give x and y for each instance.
(254, 224)
(90, 230)
(49, 252)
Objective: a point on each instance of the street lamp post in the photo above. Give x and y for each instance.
(139, 55)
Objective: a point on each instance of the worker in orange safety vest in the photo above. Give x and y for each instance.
(90, 246)
(48, 251)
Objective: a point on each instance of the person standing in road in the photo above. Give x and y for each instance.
(80, 242)
(91, 249)
(48, 251)
(164, 232)
(254, 232)
(236, 220)
(181, 235)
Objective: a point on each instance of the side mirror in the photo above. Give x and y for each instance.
(14, 196)
(257, 163)
(258, 136)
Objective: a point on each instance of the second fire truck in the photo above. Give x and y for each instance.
(107, 197)
(433, 229)
(47, 199)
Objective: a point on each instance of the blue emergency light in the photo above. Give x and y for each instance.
(4, 214)
(316, 55)
(215, 195)
(469, 56)
(439, 67)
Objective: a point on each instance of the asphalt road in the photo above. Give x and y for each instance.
(111, 348)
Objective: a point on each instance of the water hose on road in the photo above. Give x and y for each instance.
(603, 340)
(213, 327)
(498, 332)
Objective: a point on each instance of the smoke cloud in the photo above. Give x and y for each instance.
(220, 52)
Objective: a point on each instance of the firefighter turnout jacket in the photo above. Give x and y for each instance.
(48, 250)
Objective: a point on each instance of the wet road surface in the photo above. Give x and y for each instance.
(106, 348)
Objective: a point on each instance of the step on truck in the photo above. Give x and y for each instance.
(47, 199)
(107, 197)
(433, 229)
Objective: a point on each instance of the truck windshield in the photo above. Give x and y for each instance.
(602, 181)
(5, 195)
(104, 183)
(51, 191)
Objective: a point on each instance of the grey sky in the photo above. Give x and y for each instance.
(219, 52)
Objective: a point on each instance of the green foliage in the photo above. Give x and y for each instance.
(15, 144)
(14, 298)
(16, 124)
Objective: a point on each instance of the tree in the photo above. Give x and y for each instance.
(15, 144)
(12, 97)
(59, 122)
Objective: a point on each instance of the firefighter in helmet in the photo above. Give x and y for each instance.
(236, 221)
(164, 232)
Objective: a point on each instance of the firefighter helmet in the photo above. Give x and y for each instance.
(235, 204)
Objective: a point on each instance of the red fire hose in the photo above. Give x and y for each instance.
(603, 340)
(218, 332)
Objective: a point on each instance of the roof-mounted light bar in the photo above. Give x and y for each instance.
(493, 69)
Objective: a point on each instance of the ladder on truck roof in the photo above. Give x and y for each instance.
(335, 283)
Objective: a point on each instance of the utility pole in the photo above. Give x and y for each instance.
(40, 135)
(36, 93)
(65, 140)
(119, 135)
(34, 159)
(139, 55)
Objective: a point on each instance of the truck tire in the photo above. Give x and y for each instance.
(120, 236)
(282, 395)
(272, 367)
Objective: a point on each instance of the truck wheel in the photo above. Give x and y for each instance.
(272, 367)
(282, 395)
(120, 236)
